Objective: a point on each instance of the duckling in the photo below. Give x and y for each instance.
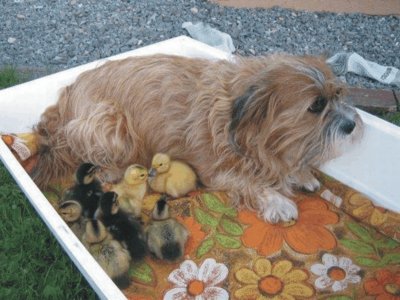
(109, 253)
(171, 176)
(166, 237)
(71, 212)
(87, 189)
(121, 225)
(132, 189)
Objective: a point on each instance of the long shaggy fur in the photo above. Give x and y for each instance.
(244, 125)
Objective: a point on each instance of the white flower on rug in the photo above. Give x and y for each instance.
(335, 272)
(196, 283)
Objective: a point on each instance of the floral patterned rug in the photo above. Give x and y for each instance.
(342, 246)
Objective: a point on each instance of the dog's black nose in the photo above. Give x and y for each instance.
(347, 126)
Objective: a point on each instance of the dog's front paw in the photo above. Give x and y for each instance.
(305, 181)
(277, 208)
(312, 185)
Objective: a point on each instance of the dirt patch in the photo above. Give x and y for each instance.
(371, 7)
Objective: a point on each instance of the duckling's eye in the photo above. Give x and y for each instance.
(142, 175)
(318, 105)
(160, 165)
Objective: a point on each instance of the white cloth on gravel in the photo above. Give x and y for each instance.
(210, 36)
(342, 63)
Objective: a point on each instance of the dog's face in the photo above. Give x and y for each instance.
(295, 112)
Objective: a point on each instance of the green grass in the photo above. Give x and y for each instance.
(392, 118)
(32, 264)
(8, 77)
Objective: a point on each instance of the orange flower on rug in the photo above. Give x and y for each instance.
(307, 235)
(385, 285)
(277, 281)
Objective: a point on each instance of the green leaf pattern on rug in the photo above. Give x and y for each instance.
(369, 262)
(360, 231)
(358, 246)
(54, 193)
(387, 259)
(391, 258)
(141, 272)
(205, 218)
(386, 243)
(219, 220)
(231, 212)
(231, 227)
(374, 251)
(227, 241)
(214, 204)
(204, 247)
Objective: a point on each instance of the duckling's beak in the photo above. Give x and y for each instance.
(152, 172)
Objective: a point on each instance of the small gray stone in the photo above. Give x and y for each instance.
(59, 60)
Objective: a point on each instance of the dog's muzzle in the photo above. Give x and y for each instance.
(347, 126)
(346, 119)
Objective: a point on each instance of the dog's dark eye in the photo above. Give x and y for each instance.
(318, 105)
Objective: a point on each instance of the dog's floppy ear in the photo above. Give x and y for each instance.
(241, 110)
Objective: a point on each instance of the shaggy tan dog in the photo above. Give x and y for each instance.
(253, 127)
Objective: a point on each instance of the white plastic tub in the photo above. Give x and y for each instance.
(371, 167)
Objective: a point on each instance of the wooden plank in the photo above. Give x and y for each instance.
(371, 100)
(371, 7)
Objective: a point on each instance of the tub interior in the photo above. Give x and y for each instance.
(365, 176)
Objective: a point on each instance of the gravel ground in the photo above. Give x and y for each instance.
(52, 35)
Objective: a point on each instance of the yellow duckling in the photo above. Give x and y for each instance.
(171, 176)
(132, 189)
